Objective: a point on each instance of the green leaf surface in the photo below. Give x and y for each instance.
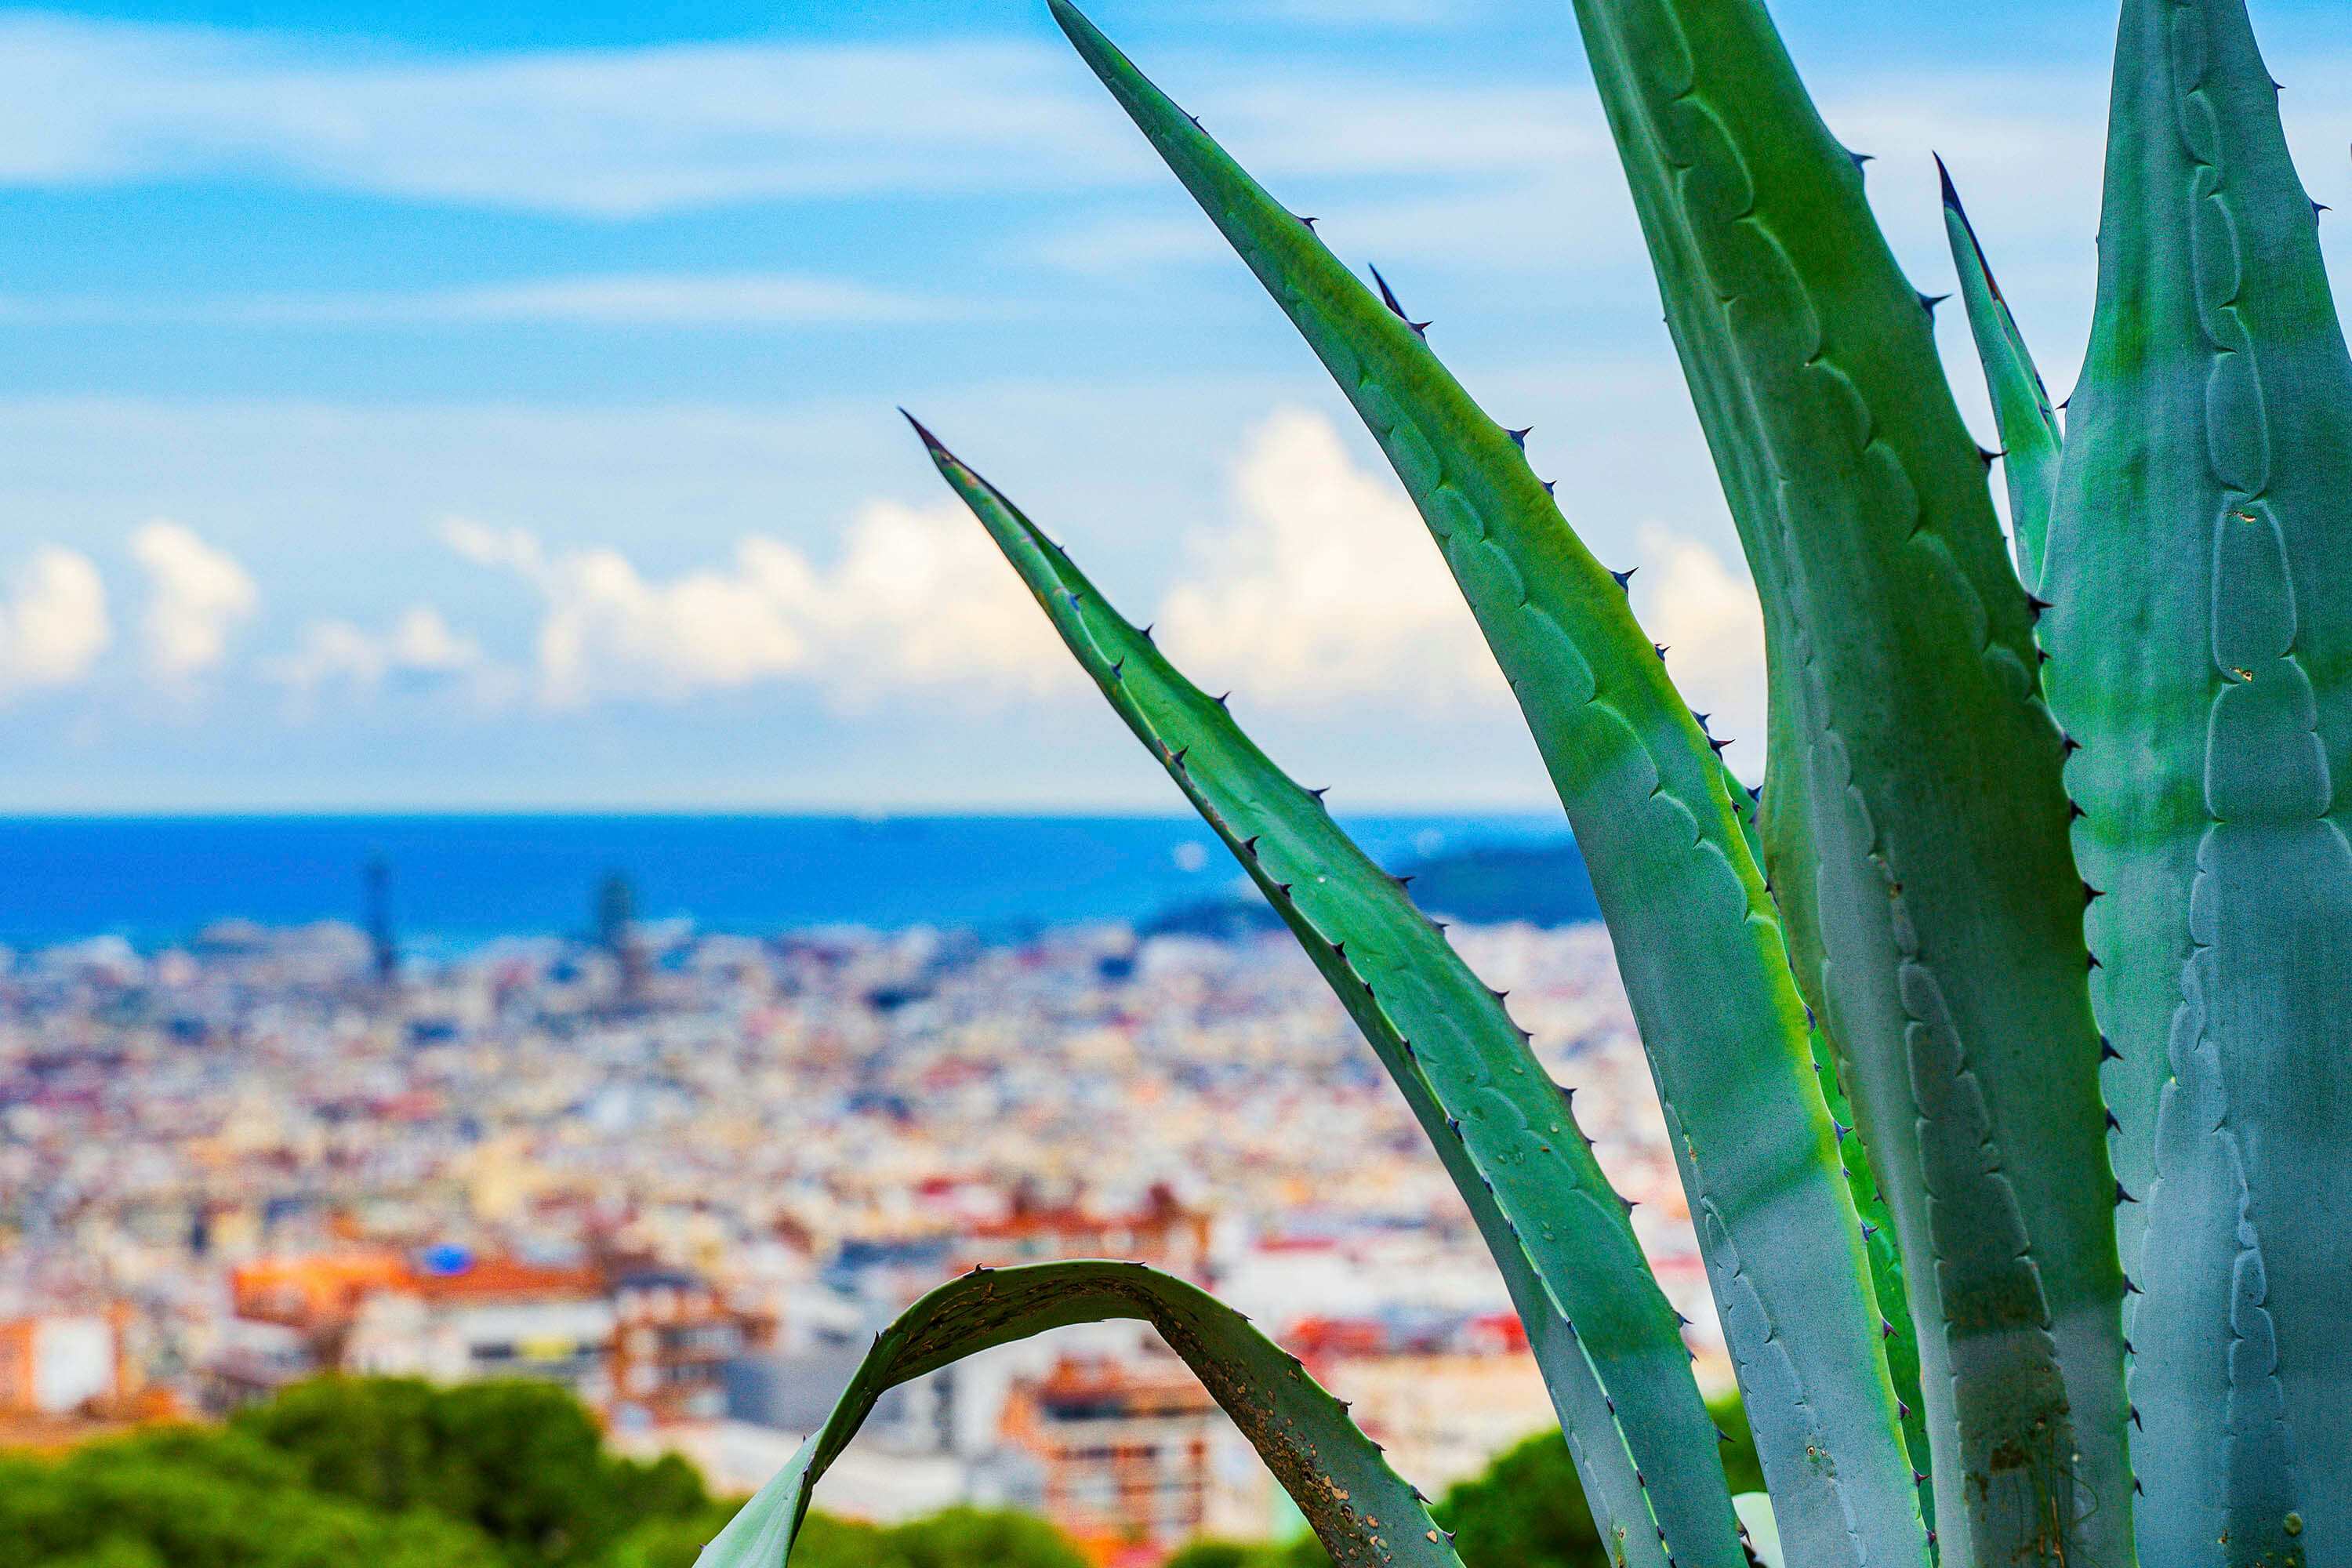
(1365, 1516)
(1621, 1376)
(2029, 439)
(1915, 822)
(1659, 824)
(2201, 562)
(1879, 1240)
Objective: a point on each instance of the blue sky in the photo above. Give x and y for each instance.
(454, 407)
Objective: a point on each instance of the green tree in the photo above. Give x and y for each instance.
(395, 1473)
(1304, 1553)
(975, 1538)
(192, 1499)
(521, 1461)
(846, 1543)
(677, 1541)
(957, 1538)
(1526, 1510)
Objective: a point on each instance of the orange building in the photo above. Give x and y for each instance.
(640, 1345)
(1124, 1448)
(1163, 1233)
(316, 1291)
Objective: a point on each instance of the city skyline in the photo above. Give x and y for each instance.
(422, 409)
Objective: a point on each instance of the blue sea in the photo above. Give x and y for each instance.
(458, 882)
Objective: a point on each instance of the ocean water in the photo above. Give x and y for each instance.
(458, 881)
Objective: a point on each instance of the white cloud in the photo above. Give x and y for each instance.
(610, 134)
(627, 300)
(622, 133)
(1502, 172)
(419, 646)
(916, 600)
(1326, 592)
(1705, 614)
(54, 625)
(197, 596)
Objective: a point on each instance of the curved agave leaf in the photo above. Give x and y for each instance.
(1660, 826)
(1915, 824)
(1614, 1356)
(2030, 437)
(2201, 559)
(1364, 1515)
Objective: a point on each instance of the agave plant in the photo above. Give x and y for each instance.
(2004, 1038)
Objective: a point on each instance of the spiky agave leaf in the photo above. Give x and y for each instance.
(1609, 1340)
(2030, 437)
(1659, 824)
(1916, 826)
(1362, 1512)
(2201, 559)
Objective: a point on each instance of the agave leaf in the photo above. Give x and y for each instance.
(1660, 826)
(1364, 1515)
(1878, 1239)
(1915, 826)
(2030, 436)
(2201, 556)
(1620, 1376)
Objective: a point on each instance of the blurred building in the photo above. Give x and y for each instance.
(459, 1319)
(59, 1364)
(619, 1159)
(1122, 1447)
(1163, 1232)
(643, 1345)
(673, 1340)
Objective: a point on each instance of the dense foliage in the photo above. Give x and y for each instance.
(1526, 1510)
(395, 1473)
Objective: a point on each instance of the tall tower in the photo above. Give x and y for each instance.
(379, 922)
(616, 933)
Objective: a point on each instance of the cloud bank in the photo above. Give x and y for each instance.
(54, 625)
(1320, 597)
(1324, 593)
(916, 600)
(196, 597)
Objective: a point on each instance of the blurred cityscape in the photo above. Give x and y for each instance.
(689, 1175)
